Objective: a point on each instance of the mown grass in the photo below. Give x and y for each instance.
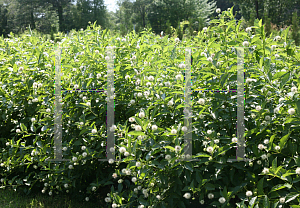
(12, 199)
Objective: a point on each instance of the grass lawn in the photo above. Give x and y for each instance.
(12, 199)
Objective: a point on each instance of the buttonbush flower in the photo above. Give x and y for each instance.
(248, 29)
(138, 128)
(177, 148)
(201, 101)
(134, 179)
(205, 29)
(126, 154)
(265, 170)
(94, 131)
(264, 156)
(154, 127)
(209, 131)
(122, 149)
(168, 157)
(291, 111)
(277, 148)
(177, 40)
(210, 195)
(218, 10)
(298, 171)
(187, 195)
(249, 193)
(294, 89)
(173, 131)
(210, 149)
(141, 114)
(110, 161)
(131, 119)
(258, 108)
(222, 200)
(209, 59)
(282, 200)
(245, 43)
(184, 128)
(114, 175)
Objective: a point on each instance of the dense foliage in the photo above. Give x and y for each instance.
(149, 102)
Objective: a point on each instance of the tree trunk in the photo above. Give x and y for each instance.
(60, 17)
(32, 23)
(256, 9)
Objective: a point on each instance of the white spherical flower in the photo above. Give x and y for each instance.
(291, 111)
(134, 179)
(267, 118)
(35, 85)
(114, 205)
(216, 141)
(110, 161)
(94, 131)
(298, 171)
(131, 119)
(294, 89)
(64, 148)
(277, 56)
(139, 94)
(282, 200)
(112, 149)
(71, 167)
(154, 128)
(187, 195)
(249, 193)
(173, 131)
(138, 128)
(259, 162)
(50, 193)
(209, 59)
(209, 131)
(276, 110)
(178, 77)
(205, 29)
(277, 148)
(222, 200)
(170, 103)
(273, 47)
(177, 40)
(201, 101)
(122, 149)
(76, 86)
(32, 119)
(177, 148)
(107, 199)
(132, 102)
(168, 157)
(218, 10)
(114, 175)
(261, 146)
(66, 185)
(248, 29)
(258, 108)
(127, 77)
(74, 159)
(126, 154)
(138, 164)
(151, 78)
(265, 170)
(141, 114)
(120, 181)
(264, 156)
(277, 38)
(18, 130)
(210, 149)
(184, 128)
(210, 195)
(113, 128)
(245, 43)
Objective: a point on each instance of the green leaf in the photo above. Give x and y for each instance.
(274, 164)
(136, 133)
(83, 131)
(189, 167)
(252, 201)
(266, 202)
(209, 186)
(284, 80)
(260, 186)
(169, 147)
(283, 140)
(291, 196)
(23, 127)
(120, 187)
